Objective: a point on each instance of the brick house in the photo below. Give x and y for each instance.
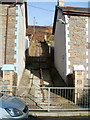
(72, 44)
(13, 23)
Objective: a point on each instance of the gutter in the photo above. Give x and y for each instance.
(5, 56)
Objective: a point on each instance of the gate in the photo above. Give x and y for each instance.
(51, 98)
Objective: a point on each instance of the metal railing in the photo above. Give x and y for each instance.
(54, 98)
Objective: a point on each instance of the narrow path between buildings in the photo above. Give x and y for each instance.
(39, 74)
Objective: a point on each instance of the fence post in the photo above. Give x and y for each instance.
(48, 99)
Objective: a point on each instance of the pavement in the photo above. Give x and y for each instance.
(60, 113)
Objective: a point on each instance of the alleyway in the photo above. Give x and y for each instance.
(37, 73)
(37, 66)
(39, 80)
(27, 60)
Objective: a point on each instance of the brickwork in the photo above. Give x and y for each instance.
(78, 42)
(11, 33)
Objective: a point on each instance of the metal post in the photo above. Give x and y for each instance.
(48, 99)
(34, 26)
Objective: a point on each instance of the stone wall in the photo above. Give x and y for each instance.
(11, 33)
(78, 42)
(9, 79)
(16, 35)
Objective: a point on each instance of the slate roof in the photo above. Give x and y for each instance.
(72, 11)
(78, 11)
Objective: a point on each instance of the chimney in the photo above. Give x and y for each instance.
(60, 2)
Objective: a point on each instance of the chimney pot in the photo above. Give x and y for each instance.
(61, 2)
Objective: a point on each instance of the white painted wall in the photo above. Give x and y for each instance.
(21, 43)
(60, 47)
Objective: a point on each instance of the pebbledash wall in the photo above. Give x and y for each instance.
(15, 58)
(72, 47)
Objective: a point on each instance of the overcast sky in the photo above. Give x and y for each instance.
(42, 13)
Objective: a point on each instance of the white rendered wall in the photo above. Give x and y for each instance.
(60, 47)
(21, 43)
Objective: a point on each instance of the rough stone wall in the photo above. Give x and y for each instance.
(78, 42)
(9, 78)
(11, 33)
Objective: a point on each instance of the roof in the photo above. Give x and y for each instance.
(72, 11)
(75, 11)
(11, 1)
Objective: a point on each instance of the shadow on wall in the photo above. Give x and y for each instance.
(39, 60)
(1, 73)
(26, 56)
(70, 80)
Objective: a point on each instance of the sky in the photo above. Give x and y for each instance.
(42, 13)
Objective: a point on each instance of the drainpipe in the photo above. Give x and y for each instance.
(5, 56)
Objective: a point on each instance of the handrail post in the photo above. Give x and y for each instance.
(48, 99)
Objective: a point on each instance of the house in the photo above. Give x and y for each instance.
(72, 44)
(13, 24)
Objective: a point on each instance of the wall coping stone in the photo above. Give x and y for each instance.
(78, 67)
(8, 67)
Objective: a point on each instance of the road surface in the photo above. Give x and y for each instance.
(60, 118)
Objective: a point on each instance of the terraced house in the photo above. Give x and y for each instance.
(72, 44)
(13, 23)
